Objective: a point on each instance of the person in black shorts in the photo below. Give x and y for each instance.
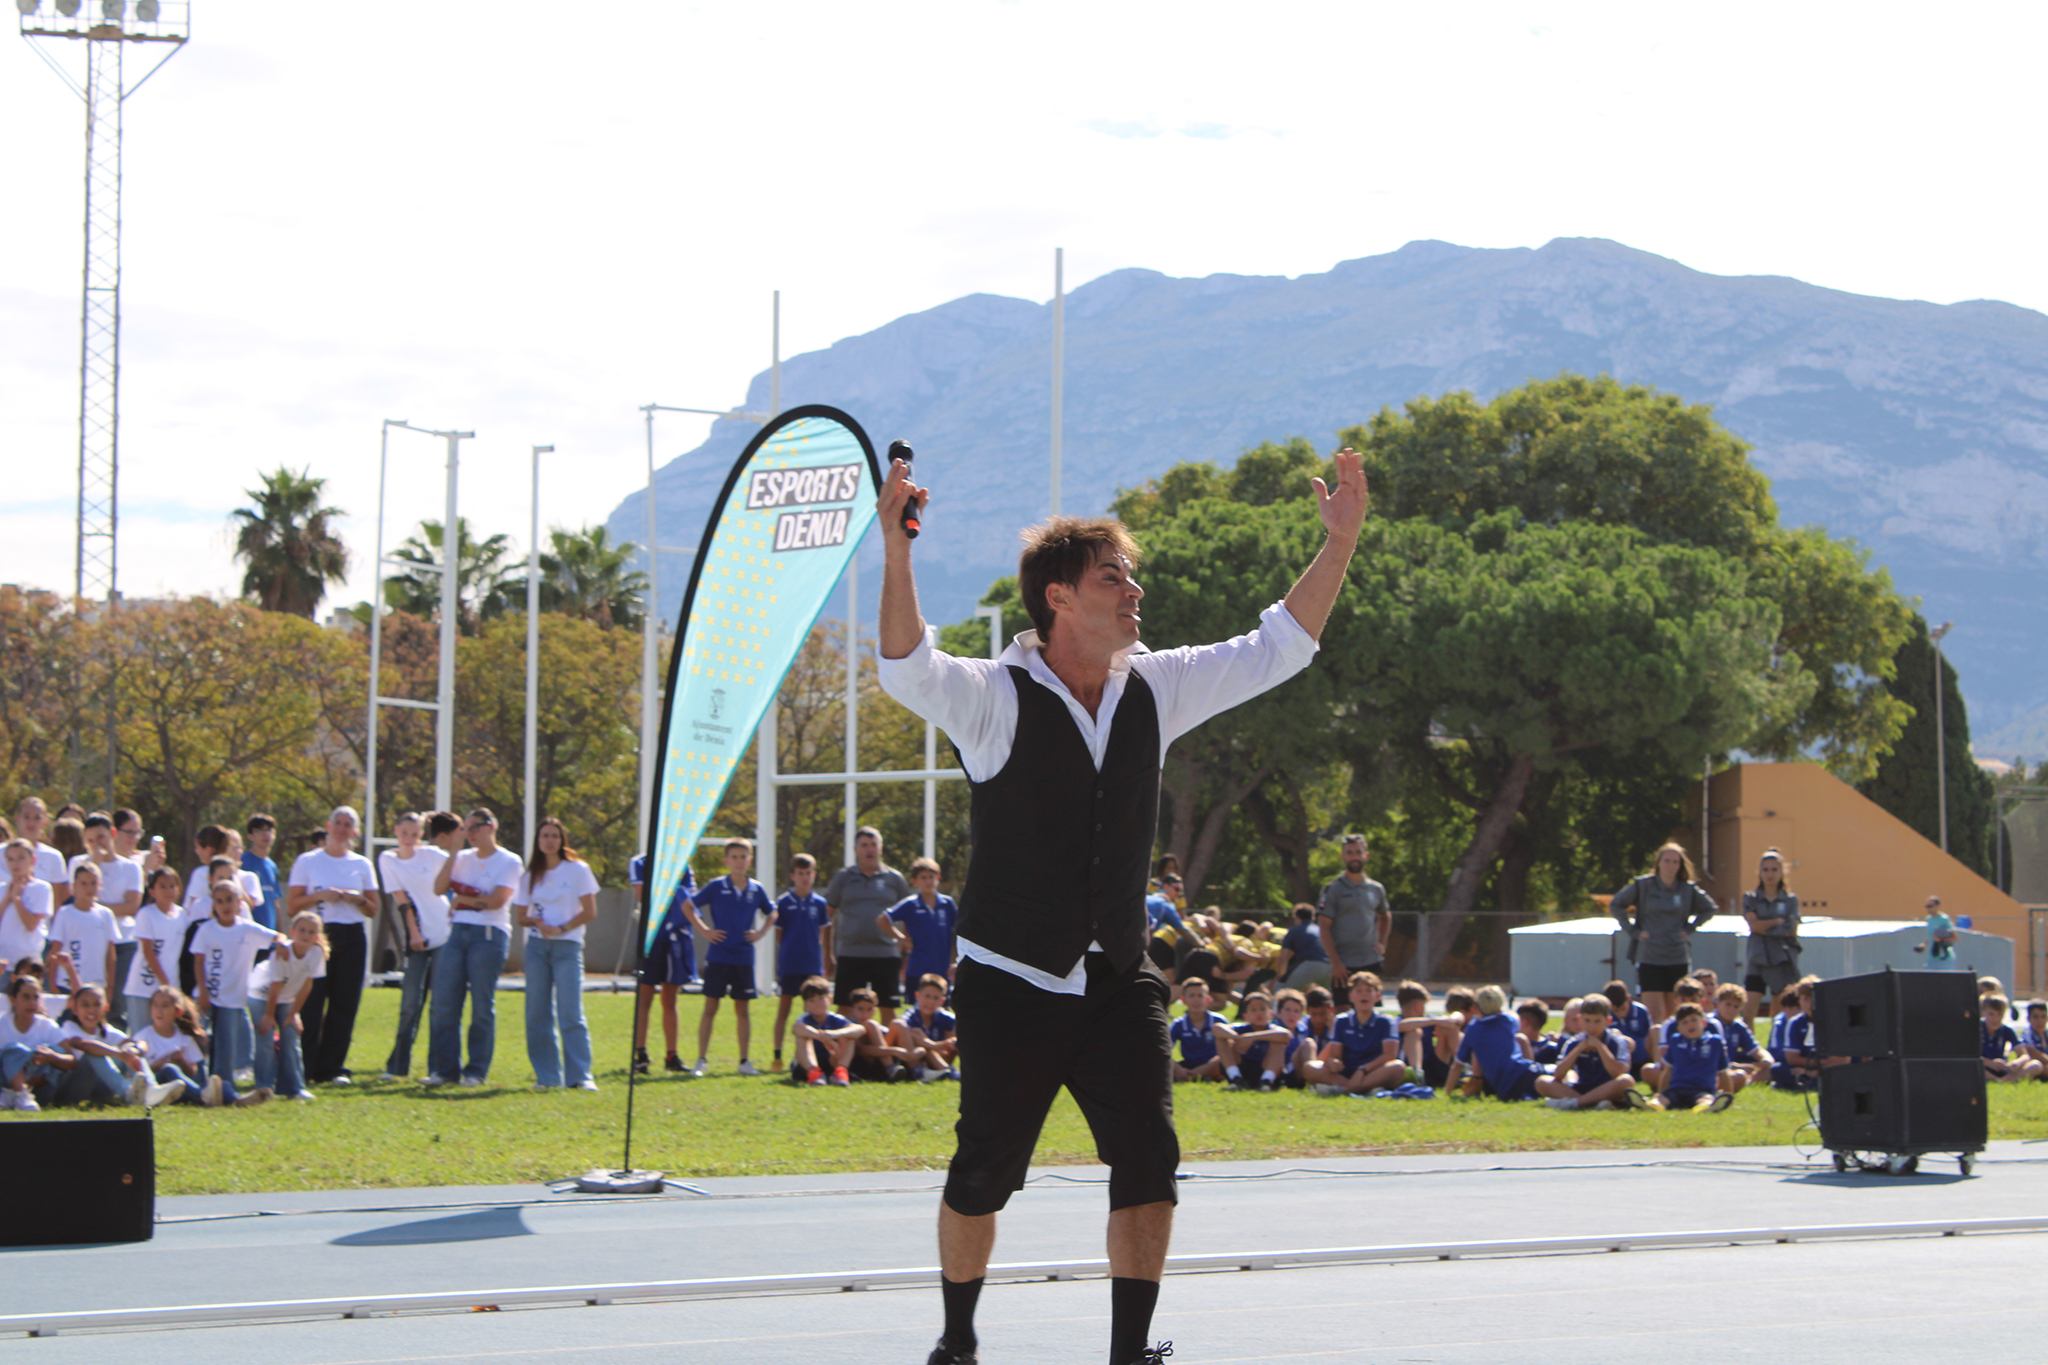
(1061, 741)
(862, 954)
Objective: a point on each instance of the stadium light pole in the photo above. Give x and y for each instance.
(533, 651)
(1940, 730)
(1059, 362)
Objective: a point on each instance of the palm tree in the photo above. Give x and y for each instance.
(284, 540)
(588, 576)
(486, 587)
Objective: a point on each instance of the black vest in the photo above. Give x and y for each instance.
(1061, 851)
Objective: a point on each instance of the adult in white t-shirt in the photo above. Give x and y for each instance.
(479, 882)
(558, 899)
(24, 907)
(339, 883)
(424, 845)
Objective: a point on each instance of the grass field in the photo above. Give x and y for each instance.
(388, 1134)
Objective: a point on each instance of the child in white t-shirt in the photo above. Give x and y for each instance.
(82, 936)
(24, 906)
(277, 992)
(159, 929)
(223, 953)
(107, 1066)
(175, 1046)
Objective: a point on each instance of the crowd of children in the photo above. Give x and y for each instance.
(1608, 1053)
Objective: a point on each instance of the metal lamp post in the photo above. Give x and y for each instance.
(1940, 731)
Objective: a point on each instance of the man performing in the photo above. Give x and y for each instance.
(1062, 740)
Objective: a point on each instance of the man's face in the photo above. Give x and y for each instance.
(1354, 858)
(803, 879)
(736, 860)
(1170, 888)
(867, 852)
(1102, 609)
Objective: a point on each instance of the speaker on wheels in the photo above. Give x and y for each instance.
(102, 1172)
(1916, 1083)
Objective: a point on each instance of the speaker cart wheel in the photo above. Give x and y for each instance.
(1901, 1165)
(1841, 1161)
(1967, 1162)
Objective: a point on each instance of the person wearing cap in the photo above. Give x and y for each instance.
(1062, 741)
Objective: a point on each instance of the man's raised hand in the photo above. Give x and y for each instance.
(1343, 508)
(897, 492)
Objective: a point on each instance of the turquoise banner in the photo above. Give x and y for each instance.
(790, 516)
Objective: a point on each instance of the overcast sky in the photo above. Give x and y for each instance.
(529, 219)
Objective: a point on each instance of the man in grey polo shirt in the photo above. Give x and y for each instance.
(859, 895)
(1354, 917)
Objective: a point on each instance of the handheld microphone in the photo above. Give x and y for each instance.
(900, 450)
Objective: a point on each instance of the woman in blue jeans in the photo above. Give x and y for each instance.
(557, 898)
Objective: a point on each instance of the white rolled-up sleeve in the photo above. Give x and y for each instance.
(973, 700)
(1195, 682)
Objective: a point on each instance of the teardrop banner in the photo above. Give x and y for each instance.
(790, 516)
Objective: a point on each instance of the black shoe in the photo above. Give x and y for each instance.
(1154, 1355)
(672, 1063)
(942, 1354)
(641, 1064)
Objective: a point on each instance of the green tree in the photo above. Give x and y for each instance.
(589, 577)
(41, 700)
(1907, 782)
(486, 586)
(284, 540)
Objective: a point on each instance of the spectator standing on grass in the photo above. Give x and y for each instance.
(737, 905)
(1658, 913)
(670, 964)
(803, 926)
(159, 933)
(340, 884)
(260, 832)
(278, 990)
(479, 882)
(1354, 916)
(559, 899)
(921, 926)
(1941, 937)
(1771, 956)
(409, 872)
(223, 954)
(862, 954)
(83, 936)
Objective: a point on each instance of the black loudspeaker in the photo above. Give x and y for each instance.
(1904, 1105)
(99, 1176)
(1897, 1014)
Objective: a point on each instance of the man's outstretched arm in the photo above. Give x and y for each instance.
(902, 623)
(1343, 510)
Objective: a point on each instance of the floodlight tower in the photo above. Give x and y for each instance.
(106, 28)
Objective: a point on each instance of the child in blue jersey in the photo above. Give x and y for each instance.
(1364, 1052)
(802, 923)
(1694, 1061)
(922, 924)
(824, 1041)
(1493, 1046)
(1594, 1061)
(1260, 1046)
(2034, 1037)
(1748, 1064)
(734, 901)
(926, 1033)
(1632, 1018)
(1531, 1017)
(1686, 991)
(1195, 1031)
(1426, 1043)
(670, 964)
(1798, 1062)
(1290, 1011)
(2003, 1059)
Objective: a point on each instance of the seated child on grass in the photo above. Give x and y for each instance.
(1748, 1063)
(2003, 1059)
(1685, 992)
(1492, 1046)
(1429, 1041)
(1694, 1061)
(1594, 1061)
(1531, 1016)
(925, 1034)
(1319, 1016)
(2034, 1037)
(1290, 1011)
(1196, 1032)
(1363, 1054)
(1633, 1018)
(875, 1056)
(824, 1041)
(1571, 1023)
(1257, 1046)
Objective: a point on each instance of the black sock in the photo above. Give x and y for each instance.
(960, 1297)
(1130, 1317)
